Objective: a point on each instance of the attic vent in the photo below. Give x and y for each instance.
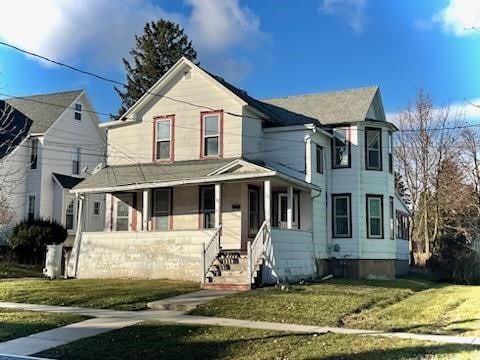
(187, 75)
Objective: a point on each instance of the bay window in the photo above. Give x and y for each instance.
(375, 216)
(341, 148)
(373, 144)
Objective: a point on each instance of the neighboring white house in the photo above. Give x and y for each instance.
(58, 144)
(207, 183)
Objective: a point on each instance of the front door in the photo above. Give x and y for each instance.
(282, 211)
(122, 210)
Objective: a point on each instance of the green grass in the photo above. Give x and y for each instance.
(153, 340)
(97, 293)
(412, 305)
(15, 323)
(13, 270)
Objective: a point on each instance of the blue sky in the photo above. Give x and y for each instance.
(270, 48)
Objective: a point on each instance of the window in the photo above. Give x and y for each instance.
(161, 208)
(403, 225)
(211, 129)
(96, 208)
(342, 222)
(390, 152)
(375, 216)
(78, 112)
(373, 141)
(33, 153)
(392, 219)
(31, 208)
(69, 213)
(76, 161)
(319, 159)
(253, 211)
(163, 138)
(341, 148)
(207, 206)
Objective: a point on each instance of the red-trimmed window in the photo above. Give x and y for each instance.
(163, 138)
(211, 133)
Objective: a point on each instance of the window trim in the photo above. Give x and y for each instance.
(321, 165)
(334, 152)
(157, 119)
(382, 229)
(349, 208)
(203, 114)
(76, 151)
(34, 154)
(78, 110)
(256, 189)
(367, 166)
(201, 209)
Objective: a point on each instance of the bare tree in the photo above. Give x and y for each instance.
(427, 137)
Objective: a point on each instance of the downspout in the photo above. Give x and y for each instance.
(73, 261)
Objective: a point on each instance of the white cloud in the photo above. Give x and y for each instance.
(349, 12)
(458, 17)
(422, 24)
(102, 31)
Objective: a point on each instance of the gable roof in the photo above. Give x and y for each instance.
(43, 109)
(329, 108)
(67, 182)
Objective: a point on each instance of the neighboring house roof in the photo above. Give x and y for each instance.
(67, 182)
(330, 107)
(14, 127)
(41, 109)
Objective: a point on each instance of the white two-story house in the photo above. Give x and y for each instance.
(57, 144)
(204, 182)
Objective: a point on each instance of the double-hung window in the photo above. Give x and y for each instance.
(253, 210)
(211, 134)
(373, 143)
(207, 206)
(78, 112)
(341, 148)
(390, 152)
(76, 161)
(375, 216)
(402, 226)
(163, 139)
(33, 153)
(392, 219)
(96, 208)
(31, 208)
(319, 159)
(69, 213)
(342, 221)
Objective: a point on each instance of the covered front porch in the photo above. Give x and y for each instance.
(177, 230)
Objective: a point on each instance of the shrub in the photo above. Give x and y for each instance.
(30, 238)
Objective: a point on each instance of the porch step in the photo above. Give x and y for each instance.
(217, 286)
(230, 279)
(234, 273)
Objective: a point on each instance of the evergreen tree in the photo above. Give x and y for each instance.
(401, 188)
(159, 48)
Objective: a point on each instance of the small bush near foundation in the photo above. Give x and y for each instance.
(29, 239)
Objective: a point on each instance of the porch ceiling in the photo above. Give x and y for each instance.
(142, 176)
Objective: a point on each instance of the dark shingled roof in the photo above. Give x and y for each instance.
(14, 127)
(67, 182)
(40, 110)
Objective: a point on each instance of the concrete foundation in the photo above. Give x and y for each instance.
(363, 268)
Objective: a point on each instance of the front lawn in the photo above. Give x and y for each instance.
(14, 270)
(400, 305)
(115, 294)
(154, 340)
(15, 323)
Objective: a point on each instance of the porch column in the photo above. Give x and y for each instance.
(289, 206)
(146, 209)
(267, 201)
(108, 212)
(218, 204)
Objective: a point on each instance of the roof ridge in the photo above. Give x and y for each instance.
(45, 94)
(323, 92)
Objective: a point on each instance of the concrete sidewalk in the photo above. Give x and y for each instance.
(182, 318)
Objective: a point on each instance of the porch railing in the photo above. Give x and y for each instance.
(256, 250)
(211, 251)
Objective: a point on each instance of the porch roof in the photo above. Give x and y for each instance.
(151, 175)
